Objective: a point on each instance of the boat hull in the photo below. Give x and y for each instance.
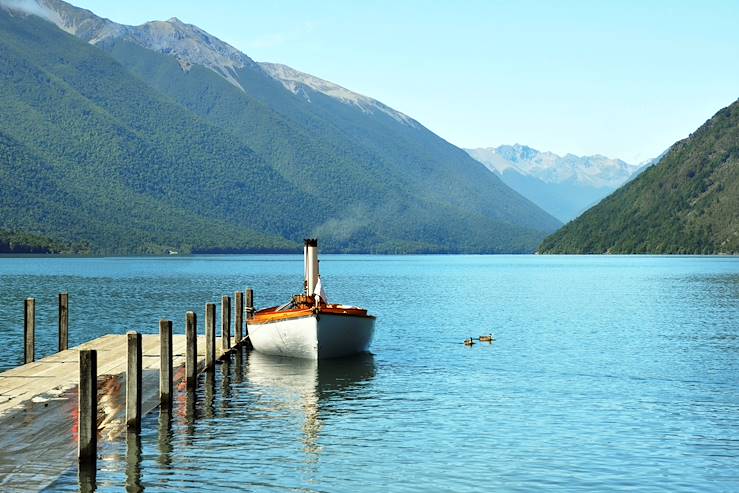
(314, 336)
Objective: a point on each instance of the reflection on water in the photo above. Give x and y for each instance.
(309, 385)
(165, 438)
(226, 384)
(268, 391)
(86, 476)
(188, 413)
(133, 462)
(209, 405)
(111, 403)
(239, 365)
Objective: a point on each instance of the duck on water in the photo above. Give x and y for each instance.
(308, 326)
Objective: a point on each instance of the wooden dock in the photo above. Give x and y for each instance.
(34, 383)
(68, 405)
(39, 416)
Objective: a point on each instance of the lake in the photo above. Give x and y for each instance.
(607, 373)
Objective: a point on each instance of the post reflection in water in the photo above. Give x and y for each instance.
(226, 384)
(133, 462)
(188, 409)
(209, 406)
(87, 473)
(239, 365)
(165, 437)
(311, 391)
(312, 385)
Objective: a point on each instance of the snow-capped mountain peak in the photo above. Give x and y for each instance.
(189, 44)
(596, 170)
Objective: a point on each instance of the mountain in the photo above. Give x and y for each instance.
(90, 154)
(200, 137)
(564, 186)
(687, 203)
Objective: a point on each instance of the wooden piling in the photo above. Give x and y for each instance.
(165, 363)
(87, 407)
(191, 353)
(249, 314)
(238, 318)
(29, 332)
(63, 321)
(210, 336)
(133, 382)
(249, 303)
(226, 323)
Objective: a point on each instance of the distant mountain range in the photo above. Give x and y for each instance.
(564, 186)
(140, 139)
(688, 203)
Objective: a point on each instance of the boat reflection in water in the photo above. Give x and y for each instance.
(316, 388)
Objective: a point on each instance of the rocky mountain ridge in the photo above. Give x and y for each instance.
(594, 171)
(189, 44)
(296, 82)
(564, 186)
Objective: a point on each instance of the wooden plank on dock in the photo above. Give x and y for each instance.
(60, 372)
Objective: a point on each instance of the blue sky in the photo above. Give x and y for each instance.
(625, 79)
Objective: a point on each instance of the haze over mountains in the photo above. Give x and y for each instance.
(131, 139)
(564, 186)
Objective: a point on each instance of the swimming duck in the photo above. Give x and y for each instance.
(487, 338)
(469, 342)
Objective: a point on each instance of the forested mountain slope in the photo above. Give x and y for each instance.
(209, 150)
(398, 185)
(92, 154)
(688, 203)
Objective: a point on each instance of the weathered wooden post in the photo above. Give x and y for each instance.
(133, 382)
(29, 332)
(87, 407)
(249, 303)
(165, 363)
(238, 318)
(226, 323)
(210, 336)
(249, 314)
(191, 353)
(63, 321)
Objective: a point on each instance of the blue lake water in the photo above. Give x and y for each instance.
(607, 374)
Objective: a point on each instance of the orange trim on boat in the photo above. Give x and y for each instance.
(271, 315)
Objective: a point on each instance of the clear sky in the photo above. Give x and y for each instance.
(622, 78)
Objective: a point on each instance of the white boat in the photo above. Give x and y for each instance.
(308, 326)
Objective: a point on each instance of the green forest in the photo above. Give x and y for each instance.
(14, 243)
(686, 204)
